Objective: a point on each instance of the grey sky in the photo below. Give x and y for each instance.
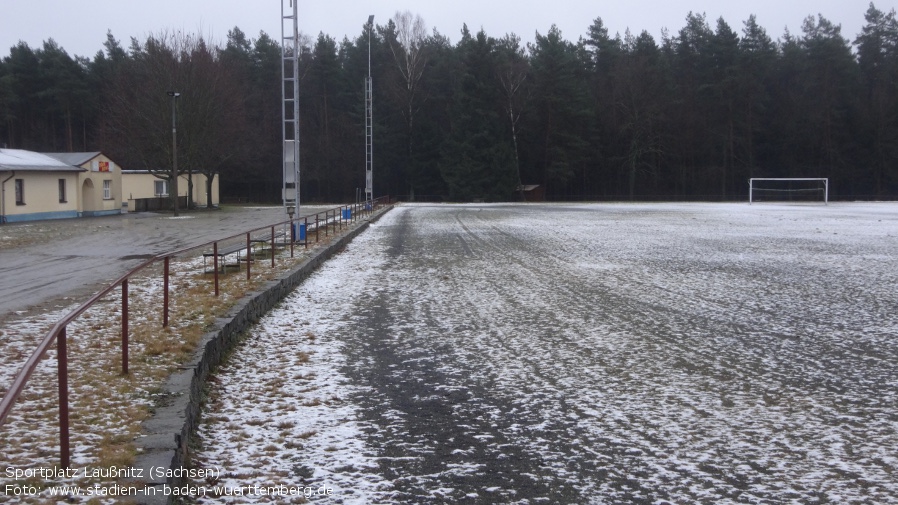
(80, 27)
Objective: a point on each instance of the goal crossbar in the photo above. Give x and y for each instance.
(824, 180)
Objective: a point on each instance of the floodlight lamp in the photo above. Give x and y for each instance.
(371, 20)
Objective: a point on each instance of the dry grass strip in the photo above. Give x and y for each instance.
(107, 408)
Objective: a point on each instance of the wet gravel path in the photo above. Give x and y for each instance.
(46, 264)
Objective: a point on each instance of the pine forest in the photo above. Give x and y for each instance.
(609, 116)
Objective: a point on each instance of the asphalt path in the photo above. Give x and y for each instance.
(50, 264)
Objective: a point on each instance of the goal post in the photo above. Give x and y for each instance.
(789, 188)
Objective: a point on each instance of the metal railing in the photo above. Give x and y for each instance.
(335, 218)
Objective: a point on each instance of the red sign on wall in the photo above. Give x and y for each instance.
(104, 166)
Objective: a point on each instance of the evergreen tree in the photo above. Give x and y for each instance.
(639, 91)
(692, 69)
(603, 57)
(7, 103)
(723, 89)
(831, 81)
(478, 160)
(560, 119)
(877, 49)
(757, 59)
(64, 93)
(23, 85)
(325, 123)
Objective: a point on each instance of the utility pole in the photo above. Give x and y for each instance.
(173, 189)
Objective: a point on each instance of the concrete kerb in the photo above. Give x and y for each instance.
(163, 448)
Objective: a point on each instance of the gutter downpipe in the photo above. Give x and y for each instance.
(12, 174)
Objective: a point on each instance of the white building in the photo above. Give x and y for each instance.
(142, 191)
(99, 186)
(35, 186)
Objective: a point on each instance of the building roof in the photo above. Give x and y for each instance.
(76, 159)
(29, 161)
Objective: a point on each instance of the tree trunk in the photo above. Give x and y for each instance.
(190, 203)
(209, 178)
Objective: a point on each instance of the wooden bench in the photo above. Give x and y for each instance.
(223, 253)
(265, 241)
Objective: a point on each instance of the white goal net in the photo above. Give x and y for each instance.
(801, 189)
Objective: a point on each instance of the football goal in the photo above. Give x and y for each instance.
(788, 189)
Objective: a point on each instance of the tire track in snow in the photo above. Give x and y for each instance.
(442, 436)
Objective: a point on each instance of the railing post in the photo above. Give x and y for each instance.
(292, 238)
(125, 327)
(305, 240)
(62, 362)
(272, 246)
(165, 292)
(215, 264)
(317, 226)
(249, 255)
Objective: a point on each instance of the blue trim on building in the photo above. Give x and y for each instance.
(40, 216)
(97, 213)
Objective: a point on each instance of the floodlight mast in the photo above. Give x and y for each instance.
(369, 124)
(290, 51)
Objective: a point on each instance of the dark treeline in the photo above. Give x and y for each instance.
(691, 116)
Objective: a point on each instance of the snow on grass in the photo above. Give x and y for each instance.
(702, 353)
(106, 407)
(283, 387)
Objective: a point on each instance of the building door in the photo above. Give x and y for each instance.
(88, 198)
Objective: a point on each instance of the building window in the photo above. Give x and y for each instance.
(107, 190)
(62, 191)
(161, 188)
(20, 191)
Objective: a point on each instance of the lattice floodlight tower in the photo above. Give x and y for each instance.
(788, 189)
(290, 51)
(369, 124)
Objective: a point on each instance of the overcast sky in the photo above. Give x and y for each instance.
(80, 26)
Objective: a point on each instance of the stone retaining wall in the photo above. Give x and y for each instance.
(164, 444)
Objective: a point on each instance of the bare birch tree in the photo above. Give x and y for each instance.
(512, 70)
(408, 45)
(408, 48)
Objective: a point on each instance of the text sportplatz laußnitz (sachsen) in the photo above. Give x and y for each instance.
(114, 472)
(26, 482)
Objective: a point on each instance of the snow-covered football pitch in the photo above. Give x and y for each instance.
(582, 353)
